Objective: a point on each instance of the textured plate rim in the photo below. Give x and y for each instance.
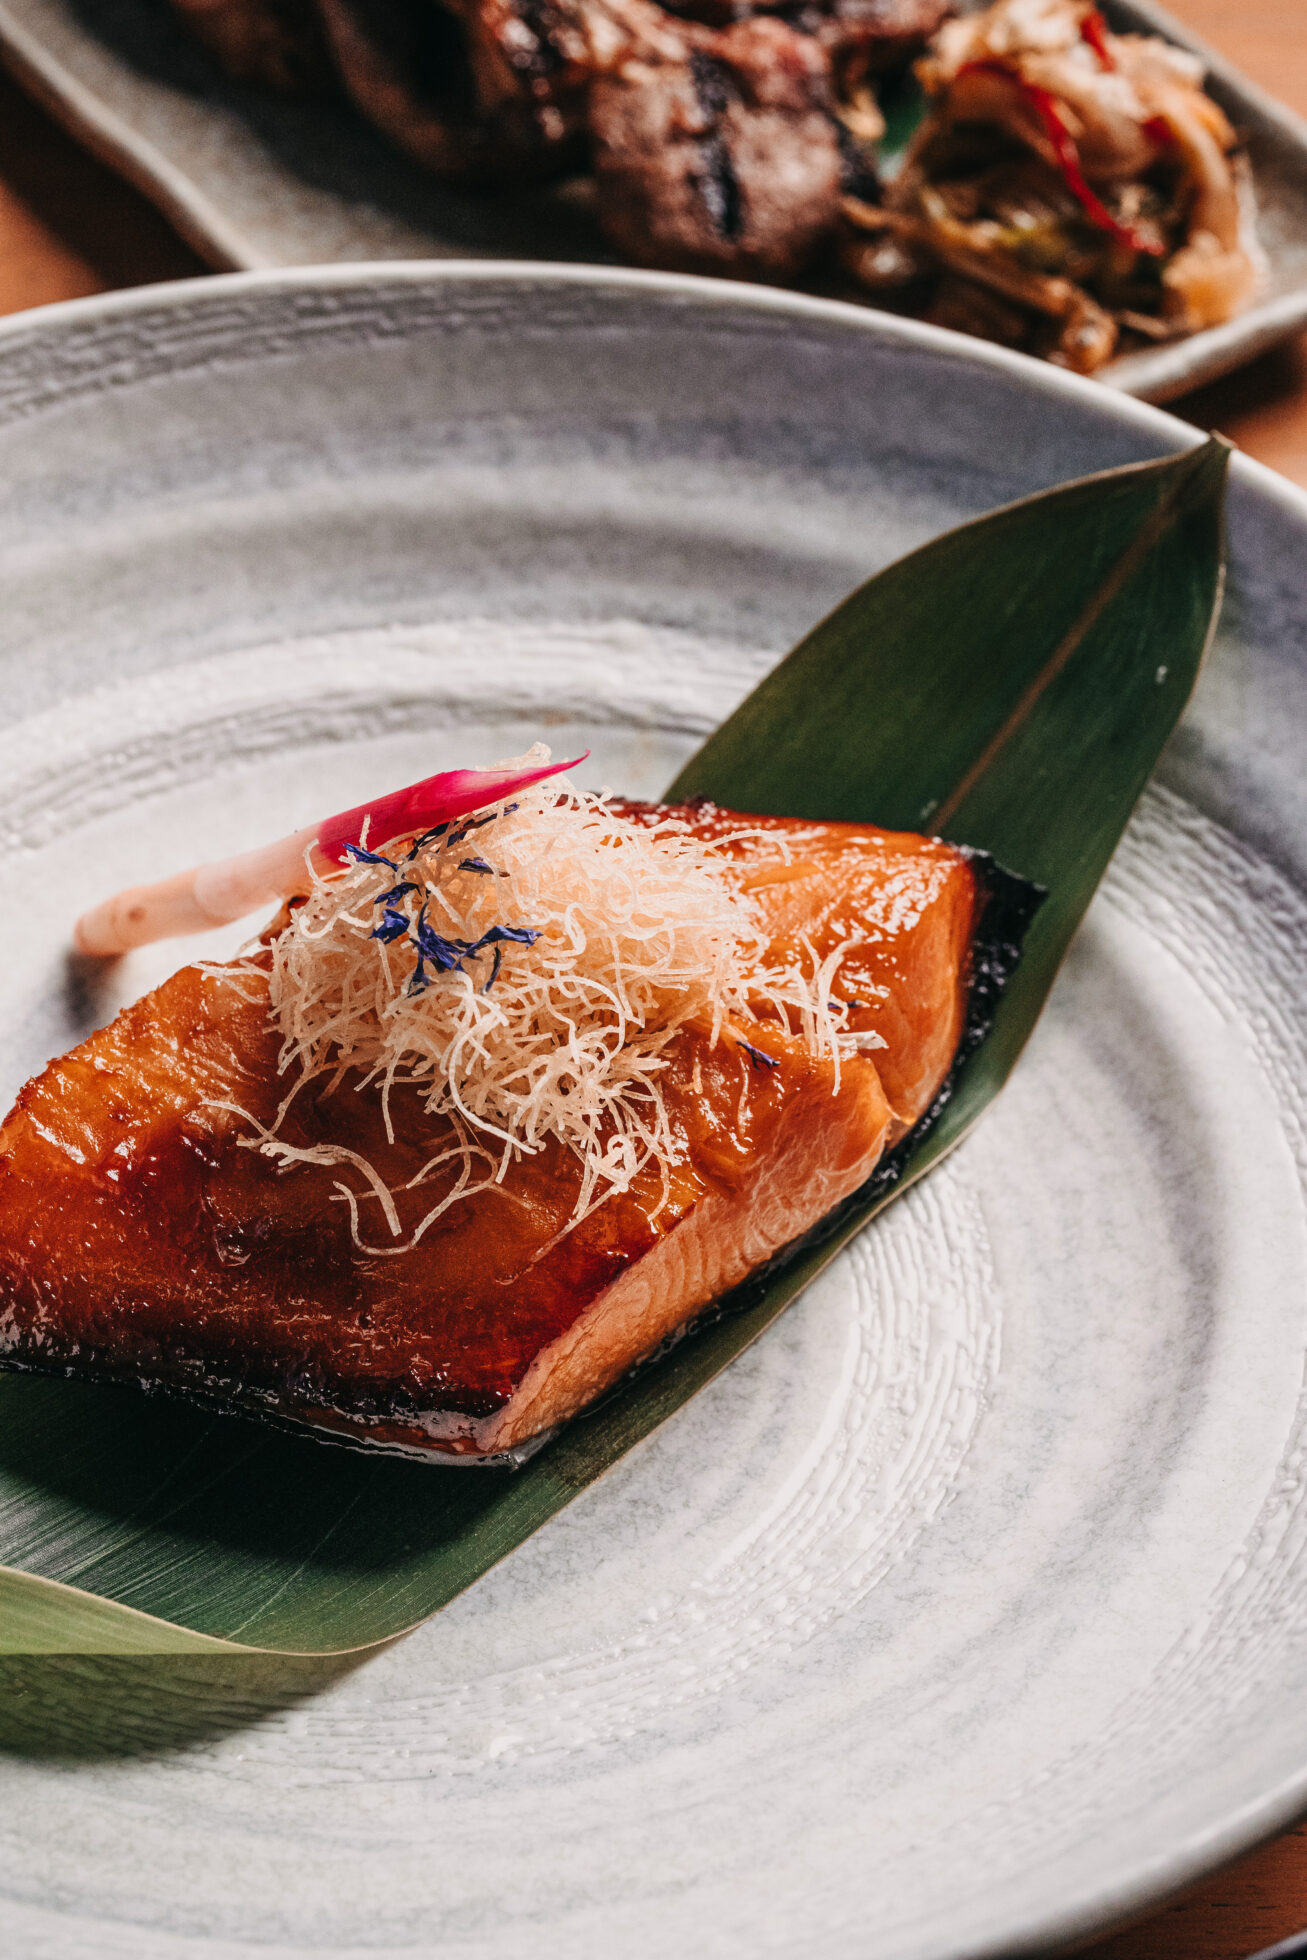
(730, 296)
(1108, 1902)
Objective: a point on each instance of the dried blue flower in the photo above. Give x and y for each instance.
(756, 1055)
(478, 864)
(393, 926)
(445, 953)
(360, 856)
(420, 843)
(448, 954)
(432, 945)
(520, 935)
(396, 892)
(496, 937)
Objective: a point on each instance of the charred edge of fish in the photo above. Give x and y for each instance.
(1011, 903)
(719, 186)
(238, 1406)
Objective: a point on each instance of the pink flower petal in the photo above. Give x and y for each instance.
(437, 799)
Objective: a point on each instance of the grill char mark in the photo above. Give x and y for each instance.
(712, 126)
(719, 185)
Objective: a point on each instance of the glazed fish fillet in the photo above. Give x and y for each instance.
(142, 1240)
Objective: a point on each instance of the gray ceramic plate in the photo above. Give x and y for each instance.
(253, 181)
(968, 1611)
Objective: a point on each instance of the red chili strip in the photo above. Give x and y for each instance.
(1093, 28)
(435, 800)
(1047, 107)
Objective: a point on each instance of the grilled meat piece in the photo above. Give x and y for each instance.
(553, 49)
(726, 159)
(890, 31)
(142, 1240)
(715, 150)
(479, 91)
(720, 143)
(441, 88)
(887, 32)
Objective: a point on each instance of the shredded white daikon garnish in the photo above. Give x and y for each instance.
(528, 969)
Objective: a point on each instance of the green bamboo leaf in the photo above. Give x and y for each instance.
(1010, 686)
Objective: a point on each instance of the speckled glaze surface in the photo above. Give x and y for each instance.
(966, 1611)
(254, 180)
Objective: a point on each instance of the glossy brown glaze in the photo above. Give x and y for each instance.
(142, 1239)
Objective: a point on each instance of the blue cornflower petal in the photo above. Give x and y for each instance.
(443, 953)
(520, 935)
(420, 843)
(393, 926)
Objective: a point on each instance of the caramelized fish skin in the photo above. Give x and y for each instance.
(140, 1240)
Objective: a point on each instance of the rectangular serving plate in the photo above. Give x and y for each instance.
(251, 180)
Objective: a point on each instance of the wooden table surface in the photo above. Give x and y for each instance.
(68, 227)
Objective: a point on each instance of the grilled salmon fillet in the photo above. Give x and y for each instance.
(142, 1240)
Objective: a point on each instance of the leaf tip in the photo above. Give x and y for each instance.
(1209, 464)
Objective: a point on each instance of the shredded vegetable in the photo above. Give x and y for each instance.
(530, 985)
